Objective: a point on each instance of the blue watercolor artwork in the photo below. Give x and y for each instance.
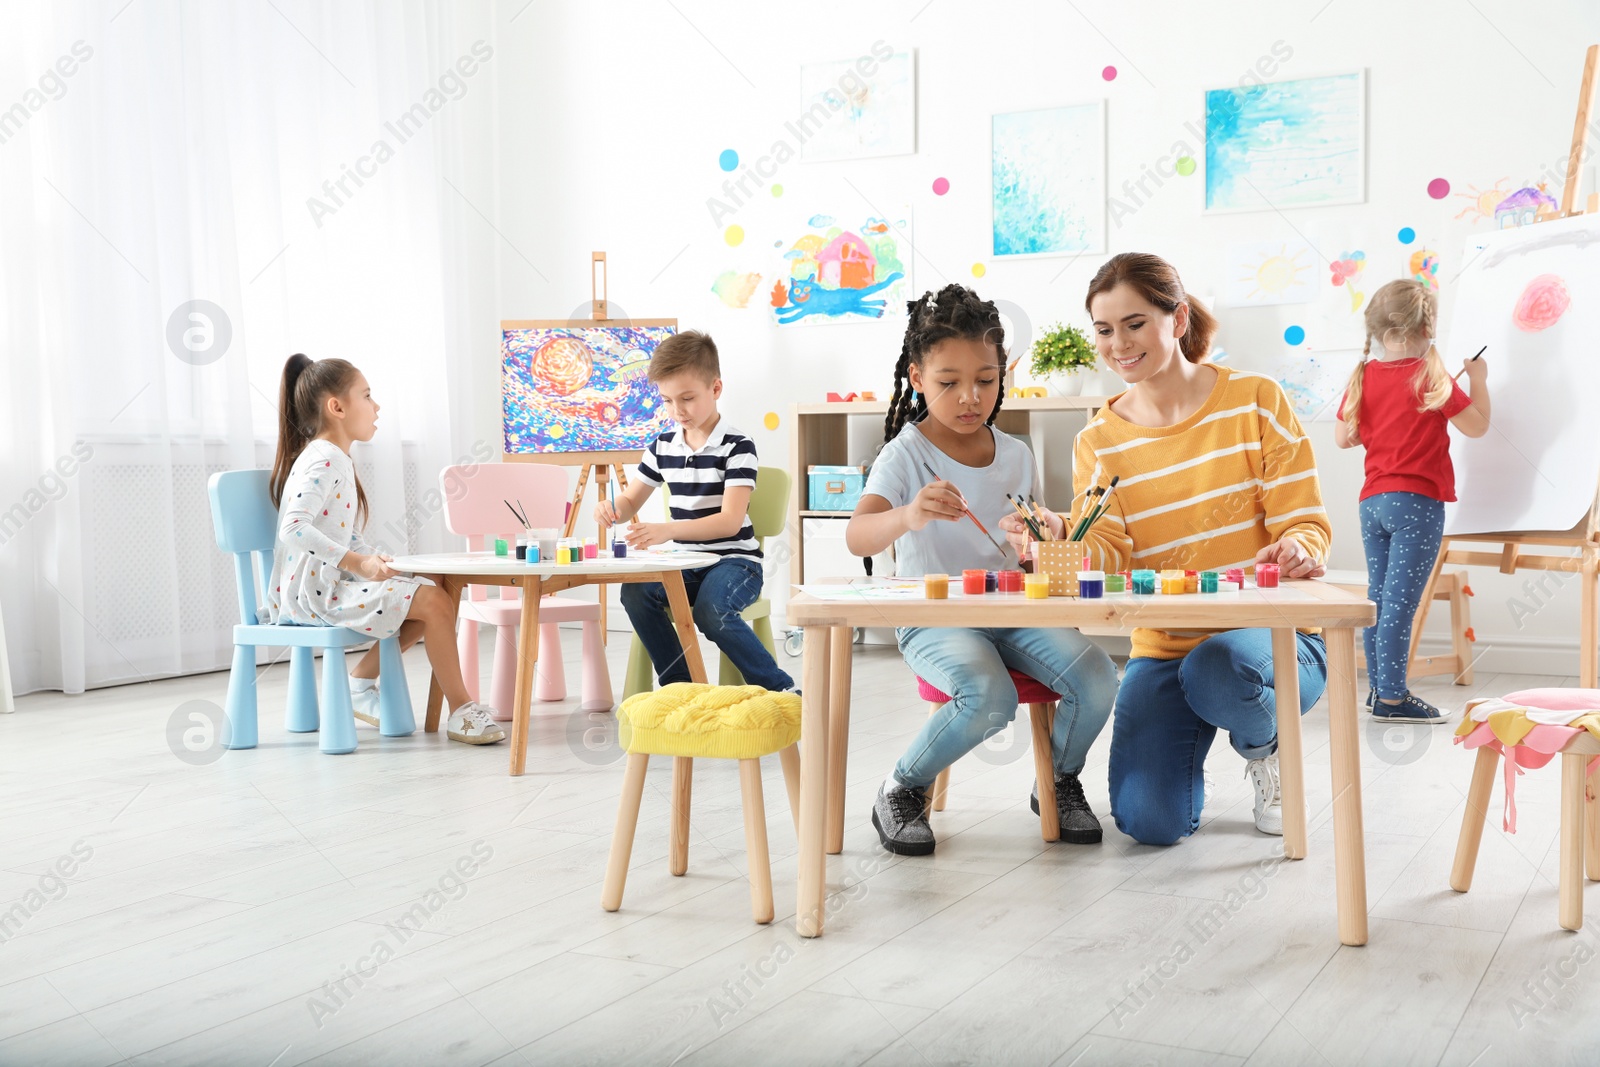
(576, 388)
(1287, 144)
(1048, 170)
(831, 273)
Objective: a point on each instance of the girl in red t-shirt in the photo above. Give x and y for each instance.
(1397, 405)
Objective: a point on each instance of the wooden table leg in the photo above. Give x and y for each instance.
(840, 655)
(1349, 842)
(453, 584)
(813, 781)
(527, 661)
(1591, 818)
(682, 769)
(1291, 753)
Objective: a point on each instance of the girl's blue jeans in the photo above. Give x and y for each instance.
(971, 665)
(1401, 533)
(1168, 712)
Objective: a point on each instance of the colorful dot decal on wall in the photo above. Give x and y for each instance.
(771, 421)
(734, 234)
(1406, 235)
(777, 190)
(979, 270)
(1438, 188)
(1294, 335)
(729, 160)
(941, 186)
(1109, 74)
(1185, 165)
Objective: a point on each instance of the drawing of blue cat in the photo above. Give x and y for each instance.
(808, 298)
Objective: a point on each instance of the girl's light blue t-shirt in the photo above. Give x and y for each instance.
(940, 547)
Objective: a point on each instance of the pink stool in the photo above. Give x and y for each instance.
(1042, 710)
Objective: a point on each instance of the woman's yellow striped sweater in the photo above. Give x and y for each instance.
(1204, 494)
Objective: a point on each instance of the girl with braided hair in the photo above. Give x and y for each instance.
(947, 389)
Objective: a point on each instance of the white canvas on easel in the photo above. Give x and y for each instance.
(1538, 466)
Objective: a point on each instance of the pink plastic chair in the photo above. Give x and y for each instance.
(475, 508)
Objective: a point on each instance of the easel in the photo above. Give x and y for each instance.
(1585, 536)
(599, 465)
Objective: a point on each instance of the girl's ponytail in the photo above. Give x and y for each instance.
(292, 437)
(306, 383)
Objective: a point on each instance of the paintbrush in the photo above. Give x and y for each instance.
(1105, 502)
(520, 518)
(969, 513)
(1474, 359)
(1033, 527)
(1082, 524)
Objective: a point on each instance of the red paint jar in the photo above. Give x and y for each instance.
(1010, 581)
(1266, 576)
(972, 582)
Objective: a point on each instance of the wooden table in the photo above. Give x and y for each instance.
(825, 707)
(461, 569)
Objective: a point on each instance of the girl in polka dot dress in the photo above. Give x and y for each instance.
(1397, 406)
(323, 571)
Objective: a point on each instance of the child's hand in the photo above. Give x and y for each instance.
(605, 514)
(1292, 560)
(1017, 534)
(376, 567)
(937, 500)
(642, 535)
(1477, 370)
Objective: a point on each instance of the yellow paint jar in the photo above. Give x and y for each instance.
(936, 586)
(1036, 586)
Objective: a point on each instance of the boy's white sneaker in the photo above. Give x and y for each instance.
(1263, 775)
(473, 724)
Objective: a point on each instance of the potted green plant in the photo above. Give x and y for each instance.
(1061, 355)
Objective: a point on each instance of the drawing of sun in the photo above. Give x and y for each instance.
(1483, 202)
(1277, 273)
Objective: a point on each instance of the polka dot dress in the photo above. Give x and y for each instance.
(316, 528)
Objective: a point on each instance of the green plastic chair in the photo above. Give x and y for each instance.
(769, 506)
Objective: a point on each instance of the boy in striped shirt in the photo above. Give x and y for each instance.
(709, 468)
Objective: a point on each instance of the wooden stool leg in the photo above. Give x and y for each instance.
(755, 840)
(1044, 770)
(1572, 841)
(1591, 810)
(789, 758)
(622, 836)
(682, 780)
(1472, 819)
(941, 785)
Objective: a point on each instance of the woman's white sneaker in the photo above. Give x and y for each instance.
(1263, 775)
(473, 724)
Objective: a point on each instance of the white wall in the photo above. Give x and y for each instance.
(611, 118)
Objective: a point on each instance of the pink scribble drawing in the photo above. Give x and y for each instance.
(1543, 302)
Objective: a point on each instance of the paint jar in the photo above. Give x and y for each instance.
(1234, 575)
(1091, 584)
(1009, 581)
(1208, 581)
(591, 549)
(522, 548)
(500, 547)
(1173, 585)
(1191, 581)
(1266, 576)
(936, 586)
(619, 550)
(1036, 586)
(575, 547)
(533, 553)
(1116, 583)
(1144, 582)
(561, 554)
(991, 581)
(973, 582)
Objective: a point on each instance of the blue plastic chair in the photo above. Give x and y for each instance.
(246, 522)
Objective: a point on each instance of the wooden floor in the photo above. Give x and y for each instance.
(411, 903)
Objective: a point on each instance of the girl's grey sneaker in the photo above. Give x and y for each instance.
(901, 816)
(1412, 709)
(1263, 775)
(1079, 824)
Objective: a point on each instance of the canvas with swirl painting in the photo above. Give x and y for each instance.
(580, 387)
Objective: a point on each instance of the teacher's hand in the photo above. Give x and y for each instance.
(1292, 560)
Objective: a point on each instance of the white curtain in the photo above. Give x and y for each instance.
(303, 167)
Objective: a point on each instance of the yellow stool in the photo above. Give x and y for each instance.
(685, 720)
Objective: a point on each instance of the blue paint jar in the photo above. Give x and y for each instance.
(1144, 583)
(533, 554)
(991, 582)
(1092, 584)
(619, 549)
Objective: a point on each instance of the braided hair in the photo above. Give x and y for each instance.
(955, 311)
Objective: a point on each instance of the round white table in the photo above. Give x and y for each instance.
(457, 570)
